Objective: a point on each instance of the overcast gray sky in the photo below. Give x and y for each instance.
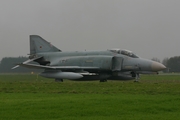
(150, 28)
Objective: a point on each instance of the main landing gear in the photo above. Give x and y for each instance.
(58, 80)
(103, 80)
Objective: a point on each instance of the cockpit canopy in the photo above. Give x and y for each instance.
(124, 52)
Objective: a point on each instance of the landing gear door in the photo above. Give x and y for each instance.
(117, 63)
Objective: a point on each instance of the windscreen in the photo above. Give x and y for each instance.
(124, 52)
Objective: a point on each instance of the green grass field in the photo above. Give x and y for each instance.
(31, 97)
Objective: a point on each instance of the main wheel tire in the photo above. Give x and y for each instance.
(58, 80)
(103, 80)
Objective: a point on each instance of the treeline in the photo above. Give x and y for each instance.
(172, 64)
(9, 62)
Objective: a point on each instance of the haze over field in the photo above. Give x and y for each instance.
(149, 28)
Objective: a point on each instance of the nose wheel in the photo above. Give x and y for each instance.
(136, 76)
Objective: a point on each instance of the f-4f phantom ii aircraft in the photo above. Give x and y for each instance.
(113, 64)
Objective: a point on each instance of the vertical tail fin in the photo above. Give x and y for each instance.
(39, 45)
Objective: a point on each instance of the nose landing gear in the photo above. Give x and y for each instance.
(136, 76)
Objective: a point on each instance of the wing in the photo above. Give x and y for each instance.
(55, 67)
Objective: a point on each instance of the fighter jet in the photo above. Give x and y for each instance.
(112, 64)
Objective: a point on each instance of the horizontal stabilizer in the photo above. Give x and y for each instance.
(15, 67)
(27, 61)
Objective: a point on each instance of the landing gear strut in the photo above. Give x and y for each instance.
(137, 77)
(58, 80)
